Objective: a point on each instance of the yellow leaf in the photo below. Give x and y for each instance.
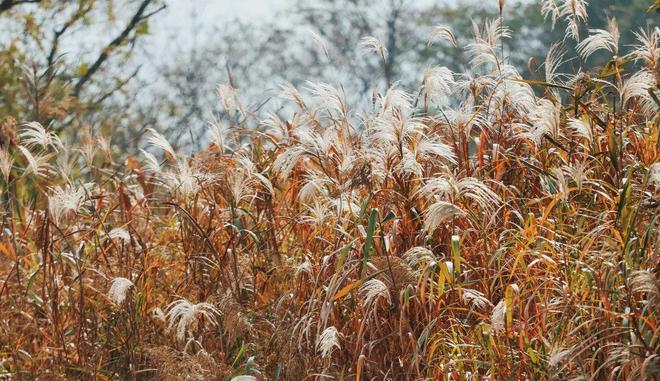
(512, 292)
(82, 69)
(6, 251)
(360, 366)
(548, 209)
(351, 286)
(341, 293)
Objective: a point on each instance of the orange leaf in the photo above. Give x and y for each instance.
(6, 251)
(341, 293)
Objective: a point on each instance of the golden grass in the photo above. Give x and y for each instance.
(484, 229)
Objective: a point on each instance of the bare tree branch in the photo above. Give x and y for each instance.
(118, 87)
(138, 17)
(57, 33)
(6, 5)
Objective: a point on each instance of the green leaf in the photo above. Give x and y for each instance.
(623, 210)
(82, 69)
(612, 148)
(239, 355)
(512, 292)
(363, 207)
(142, 29)
(369, 241)
(456, 253)
(388, 217)
(343, 252)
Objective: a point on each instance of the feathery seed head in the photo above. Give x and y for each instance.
(328, 341)
(38, 165)
(229, 97)
(373, 290)
(581, 128)
(185, 315)
(65, 200)
(644, 281)
(480, 193)
(371, 44)
(438, 84)
(637, 87)
(326, 96)
(184, 179)
(34, 134)
(152, 165)
(442, 32)
(320, 43)
(475, 299)
(6, 163)
(244, 378)
(553, 59)
(121, 234)
(156, 139)
(574, 12)
(654, 174)
(218, 132)
(498, 316)
(419, 258)
(119, 289)
(648, 48)
(557, 355)
(600, 39)
(439, 213)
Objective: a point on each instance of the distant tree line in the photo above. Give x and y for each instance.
(43, 78)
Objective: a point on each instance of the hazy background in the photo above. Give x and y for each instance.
(109, 75)
(214, 11)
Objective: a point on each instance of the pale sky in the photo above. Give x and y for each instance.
(180, 12)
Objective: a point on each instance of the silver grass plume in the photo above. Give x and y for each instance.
(328, 341)
(119, 289)
(184, 315)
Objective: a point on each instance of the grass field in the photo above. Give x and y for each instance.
(483, 226)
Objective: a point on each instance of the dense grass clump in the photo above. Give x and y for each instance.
(484, 226)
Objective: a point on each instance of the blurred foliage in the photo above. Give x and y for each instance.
(477, 226)
(62, 61)
(319, 41)
(311, 40)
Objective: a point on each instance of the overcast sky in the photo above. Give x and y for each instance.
(180, 12)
